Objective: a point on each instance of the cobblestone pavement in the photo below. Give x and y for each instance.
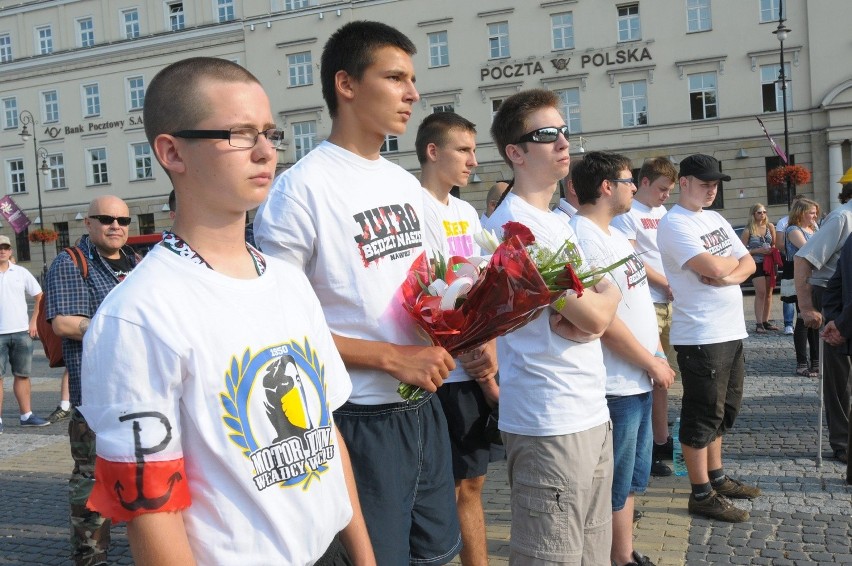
(803, 518)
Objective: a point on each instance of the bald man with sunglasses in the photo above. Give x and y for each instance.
(71, 302)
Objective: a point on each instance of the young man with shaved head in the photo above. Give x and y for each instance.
(211, 372)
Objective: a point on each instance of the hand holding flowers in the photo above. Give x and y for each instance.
(461, 306)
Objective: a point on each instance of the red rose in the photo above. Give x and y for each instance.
(517, 229)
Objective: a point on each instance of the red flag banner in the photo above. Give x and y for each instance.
(774, 145)
(13, 215)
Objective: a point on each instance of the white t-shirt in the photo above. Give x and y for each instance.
(636, 309)
(449, 229)
(565, 209)
(353, 225)
(207, 355)
(640, 224)
(701, 314)
(548, 385)
(14, 282)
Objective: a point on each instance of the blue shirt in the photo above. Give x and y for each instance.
(68, 294)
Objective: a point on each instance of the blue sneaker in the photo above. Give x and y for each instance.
(34, 421)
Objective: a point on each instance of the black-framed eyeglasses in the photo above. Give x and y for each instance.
(760, 212)
(629, 181)
(243, 138)
(107, 220)
(5, 247)
(544, 135)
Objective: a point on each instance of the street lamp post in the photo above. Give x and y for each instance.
(26, 118)
(781, 33)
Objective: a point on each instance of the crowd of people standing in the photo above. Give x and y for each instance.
(274, 432)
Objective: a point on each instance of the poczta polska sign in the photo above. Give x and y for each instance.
(603, 58)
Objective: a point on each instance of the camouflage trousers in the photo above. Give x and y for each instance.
(89, 531)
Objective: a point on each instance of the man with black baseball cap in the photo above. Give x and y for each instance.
(705, 262)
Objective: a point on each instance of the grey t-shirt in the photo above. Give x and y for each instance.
(823, 249)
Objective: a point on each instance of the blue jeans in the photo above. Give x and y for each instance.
(632, 440)
(789, 313)
(17, 348)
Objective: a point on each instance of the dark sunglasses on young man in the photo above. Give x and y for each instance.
(108, 220)
(544, 135)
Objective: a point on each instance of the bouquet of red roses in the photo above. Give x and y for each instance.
(462, 306)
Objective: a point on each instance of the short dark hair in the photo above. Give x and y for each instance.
(351, 49)
(434, 129)
(172, 202)
(510, 122)
(589, 173)
(172, 100)
(657, 167)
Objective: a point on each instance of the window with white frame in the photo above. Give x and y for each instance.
(569, 100)
(628, 23)
(304, 137)
(97, 161)
(562, 31)
(439, 49)
(49, 106)
(390, 145)
(56, 177)
(498, 40)
(634, 104)
(176, 16)
(15, 177)
(301, 68)
(5, 47)
(296, 4)
(698, 15)
(141, 162)
(64, 239)
(443, 108)
(130, 23)
(135, 93)
(146, 223)
(10, 113)
(85, 32)
(769, 9)
(44, 40)
(225, 10)
(495, 106)
(770, 86)
(702, 96)
(91, 100)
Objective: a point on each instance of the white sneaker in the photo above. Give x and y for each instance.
(788, 329)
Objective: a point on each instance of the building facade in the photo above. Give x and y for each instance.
(668, 77)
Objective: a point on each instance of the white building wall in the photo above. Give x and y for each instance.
(263, 34)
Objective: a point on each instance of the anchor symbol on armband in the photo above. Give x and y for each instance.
(141, 501)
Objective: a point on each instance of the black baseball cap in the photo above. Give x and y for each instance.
(703, 167)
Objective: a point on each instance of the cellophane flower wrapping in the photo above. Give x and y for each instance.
(508, 293)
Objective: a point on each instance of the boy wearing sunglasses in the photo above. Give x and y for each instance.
(71, 303)
(553, 412)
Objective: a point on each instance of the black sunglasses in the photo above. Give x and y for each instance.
(108, 220)
(544, 135)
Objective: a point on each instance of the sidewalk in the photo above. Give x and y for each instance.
(803, 518)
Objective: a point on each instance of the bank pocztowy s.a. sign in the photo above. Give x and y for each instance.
(576, 62)
(54, 132)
